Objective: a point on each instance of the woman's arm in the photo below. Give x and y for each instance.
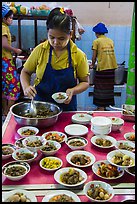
(6, 46)
(94, 58)
(28, 90)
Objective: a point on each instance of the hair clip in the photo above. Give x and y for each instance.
(62, 10)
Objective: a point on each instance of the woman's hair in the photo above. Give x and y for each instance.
(8, 14)
(58, 19)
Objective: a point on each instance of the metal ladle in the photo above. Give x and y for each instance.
(33, 109)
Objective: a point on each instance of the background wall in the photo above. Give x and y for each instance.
(116, 15)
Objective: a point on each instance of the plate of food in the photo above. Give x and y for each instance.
(98, 191)
(125, 144)
(121, 158)
(131, 170)
(70, 177)
(103, 141)
(80, 158)
(55, 136)
(130, 136)
(60, 97)
(76, 142)
(61, 196)
(24, 154)
(105, 170)
(76, 130)
(27, 131)
(7, 150)
(18, 195)
(50, 163)
(81, 118)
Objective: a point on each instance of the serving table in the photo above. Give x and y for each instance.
(40, 182)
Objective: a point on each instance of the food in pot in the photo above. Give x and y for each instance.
(98, 193)
(28, 132)
(126, 147)
(42, 112)
(50, 163)
(55, 137)
(103, 142)
(6, 150)
(24, 155)
(61, 198)
(108, 170)
(122, 159)
(18, 197)
(71, 177)
(15, 170)
(49, 147)
(80, 159)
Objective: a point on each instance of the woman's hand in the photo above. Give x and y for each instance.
(30, 91)
(18, 51)
(69, 93)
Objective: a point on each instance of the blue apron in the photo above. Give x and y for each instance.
(57, 81)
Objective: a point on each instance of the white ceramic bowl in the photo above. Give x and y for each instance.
(98, 131)
(90, 158)
(81, 118)
(76, 142)
(59, 173)
(131, 170)
(50, 143)
(18, 143)
(125, 144)
(50, 163)
(34, 143)
(117, 123)
(104, 170)
(7, 150)
(76, 130)
(102, 184)
(101, 121)
(130, 136)
(103, 138)
(50, 195)
(133, 127)
(27, 131)
(112, 158)
(23, 154)
(60, 97)
(9, 196)
(14, 165)
(55, 136)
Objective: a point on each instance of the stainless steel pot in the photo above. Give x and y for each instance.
(20, 109)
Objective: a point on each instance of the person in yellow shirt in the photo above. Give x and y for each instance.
(60, 66)
(104, 55)
(10, 76)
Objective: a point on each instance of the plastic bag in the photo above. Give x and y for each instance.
(79, 30)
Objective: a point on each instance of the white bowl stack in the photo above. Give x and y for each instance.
(101, 125)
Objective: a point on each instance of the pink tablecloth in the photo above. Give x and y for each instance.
(40, 176)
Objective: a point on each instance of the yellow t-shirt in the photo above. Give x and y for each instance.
(38, 60)
(105, 53)
(6, 31)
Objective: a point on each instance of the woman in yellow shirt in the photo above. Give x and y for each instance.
(10, 76)
(59, 64)
(103, 53)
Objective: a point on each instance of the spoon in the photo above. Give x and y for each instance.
(33, 109)
(128, 111)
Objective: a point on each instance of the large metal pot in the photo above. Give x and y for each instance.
(22, 108)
